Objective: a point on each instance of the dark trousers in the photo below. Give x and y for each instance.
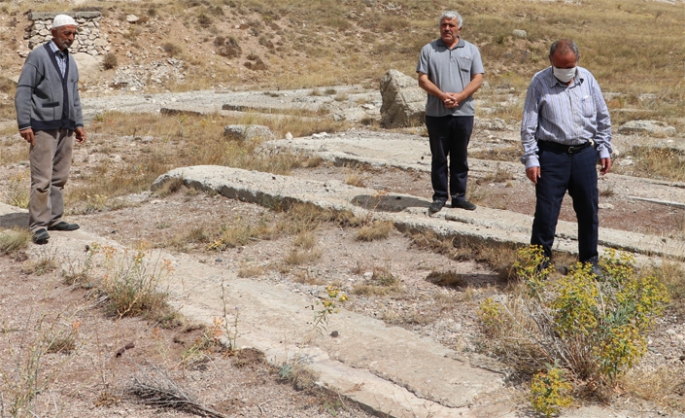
(577, 173)
(449, 136)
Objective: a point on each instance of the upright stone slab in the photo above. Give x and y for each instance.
(404, 102)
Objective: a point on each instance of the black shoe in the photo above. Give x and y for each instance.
(597, 271)
(436, 206)
(40, 237)
(63, 226)
(463, 204)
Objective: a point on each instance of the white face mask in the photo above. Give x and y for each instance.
(564, 74)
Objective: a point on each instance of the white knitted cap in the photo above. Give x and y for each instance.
(63, 20)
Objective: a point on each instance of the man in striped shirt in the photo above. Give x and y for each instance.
(565, 130)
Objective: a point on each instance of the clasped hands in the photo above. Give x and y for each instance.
(452, 100)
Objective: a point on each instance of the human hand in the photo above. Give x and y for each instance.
(606, 165)
(533, 174)
(451, 100)
(27, 134)
(80, 134)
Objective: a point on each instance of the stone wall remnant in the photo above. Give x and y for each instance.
(89, 39)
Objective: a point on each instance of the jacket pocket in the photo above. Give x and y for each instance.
(53, 104)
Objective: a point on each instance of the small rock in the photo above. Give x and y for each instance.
(606, 206)
(520, 33)
(288, 136)
(132, 18)
(248, 132)
(625, 162)
(649, 127)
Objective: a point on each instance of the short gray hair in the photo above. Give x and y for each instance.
(564, 45)
(451, 14)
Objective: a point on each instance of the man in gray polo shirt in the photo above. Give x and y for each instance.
(450, 70)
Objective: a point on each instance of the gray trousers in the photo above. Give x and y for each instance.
(50, 160)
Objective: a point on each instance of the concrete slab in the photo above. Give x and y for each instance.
(411, 152)
(387, 370)
(408, 212)
(383, 368)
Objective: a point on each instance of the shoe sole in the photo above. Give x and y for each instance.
(461, 207)
(63, 229)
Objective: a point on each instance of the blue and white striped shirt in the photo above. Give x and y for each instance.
(61, 58)
(569, 115)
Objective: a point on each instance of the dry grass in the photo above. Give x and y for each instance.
(672, 275)
(13, 240)
(299, 256)
(657, 163)
(499, 257)
(502, 175)
(246, 271)
(382, 282)
(510, 153)
(187, 140)
(664, 385)
(300, 55)
(46, 263)
(374, 231)
(446, 278)
(354, 179)
(18, 190)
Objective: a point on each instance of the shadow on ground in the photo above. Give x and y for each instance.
(389, 203)
(14, 220)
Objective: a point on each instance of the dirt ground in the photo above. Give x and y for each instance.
(96, 375)
(37, 305)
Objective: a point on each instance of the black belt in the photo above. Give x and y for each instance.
(571, 149)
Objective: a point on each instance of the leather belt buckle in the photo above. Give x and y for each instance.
(572, 149)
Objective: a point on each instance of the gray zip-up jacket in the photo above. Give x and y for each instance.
(45, 100)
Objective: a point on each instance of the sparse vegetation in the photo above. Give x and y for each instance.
(19, 190)
(592, 328)
(510, 153)
(172, 49)
(374, 231)
(13, 240)
(130, 286)
(657, 163)
(498, 257)
(109, 61)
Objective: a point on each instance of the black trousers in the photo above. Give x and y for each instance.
(577, 173)
(449, 137)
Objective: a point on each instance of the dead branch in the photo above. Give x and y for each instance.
(158, 389)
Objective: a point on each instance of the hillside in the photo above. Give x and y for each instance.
(254, 44)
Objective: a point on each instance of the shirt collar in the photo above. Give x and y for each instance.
(459, 44)
(55, 49)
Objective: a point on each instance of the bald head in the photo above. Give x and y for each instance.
(563, 47)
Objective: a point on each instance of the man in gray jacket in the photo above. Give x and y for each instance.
(49, 117)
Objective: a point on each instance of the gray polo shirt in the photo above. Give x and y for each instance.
(451, 70)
